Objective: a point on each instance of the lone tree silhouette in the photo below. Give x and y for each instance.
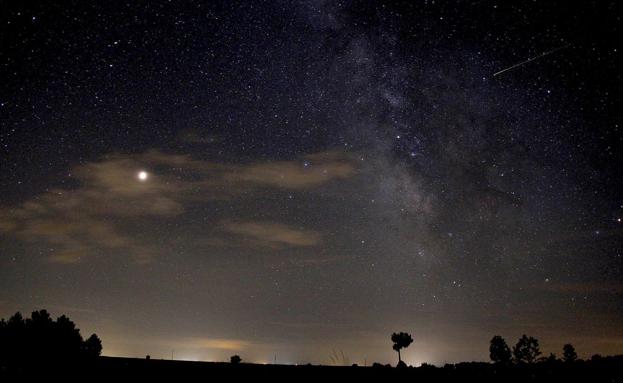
(526, 350)
(235, 359)
(92, 347)
(499, 352)
(401, 340)
(568, 353)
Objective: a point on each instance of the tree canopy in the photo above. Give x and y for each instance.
(526, 350)
(568, 353)
(401, 340)
(42, 339)
(499, 352)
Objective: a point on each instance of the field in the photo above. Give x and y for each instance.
(115, 369)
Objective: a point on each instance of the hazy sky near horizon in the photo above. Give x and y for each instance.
(304, 178)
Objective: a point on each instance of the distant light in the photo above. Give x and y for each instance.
(142, 175)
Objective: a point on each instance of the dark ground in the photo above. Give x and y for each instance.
(608, 369)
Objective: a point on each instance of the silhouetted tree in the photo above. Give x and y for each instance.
(568, 353)
(526, 350)
(92, 347)
(12, 331)
(67, 339)
(235, 359)
(499, 352)
(551, 358)
(401, 340)
(41, 339)
(40, 333)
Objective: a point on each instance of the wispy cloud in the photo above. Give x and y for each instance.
(312, 170)
(273, 234)
(94, 216)
(216, 343)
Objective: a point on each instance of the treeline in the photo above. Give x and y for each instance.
(42, 340)
(526, 350)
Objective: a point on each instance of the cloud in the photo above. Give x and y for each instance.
(273, 234)
(312, 171)
(79, 221)
(72, 225)
(110, 209)
(216, 343)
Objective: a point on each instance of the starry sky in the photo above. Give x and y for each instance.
(295, 180)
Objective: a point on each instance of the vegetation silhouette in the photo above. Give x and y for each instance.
(526, 350)
(41, 340)
(499, 352)
(338, 359)
(401, 340)
(568, 353)
(39, 347)
(551, 358)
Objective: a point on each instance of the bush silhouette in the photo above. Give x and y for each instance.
(526, 350)
(401, 340)
(41, 339)
(568, 353)
(551, 358)
(235, 359)
(499, 352)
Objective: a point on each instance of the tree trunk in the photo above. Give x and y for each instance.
(399, 360)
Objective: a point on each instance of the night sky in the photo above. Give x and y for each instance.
(304, 178)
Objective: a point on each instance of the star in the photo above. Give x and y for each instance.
(142, 176)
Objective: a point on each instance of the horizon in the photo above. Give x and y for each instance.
(223, 349)
(295, 178)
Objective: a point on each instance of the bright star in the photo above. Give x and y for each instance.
(142, 175)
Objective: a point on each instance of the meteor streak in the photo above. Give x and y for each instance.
(531, 59)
